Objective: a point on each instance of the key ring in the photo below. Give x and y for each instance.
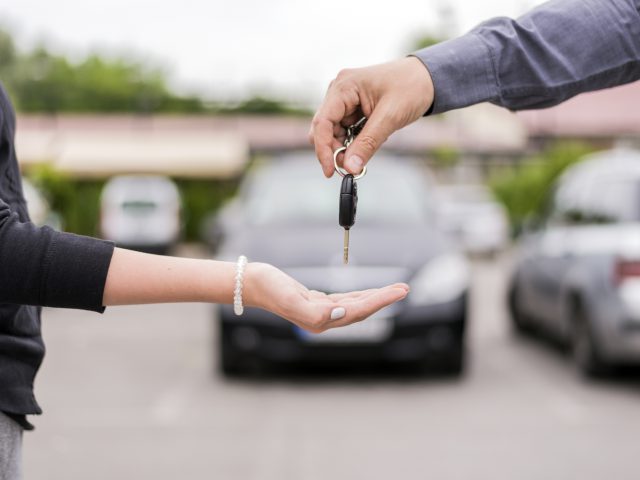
(341, 171)
(352, 132)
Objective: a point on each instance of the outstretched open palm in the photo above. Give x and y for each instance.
(270, 288)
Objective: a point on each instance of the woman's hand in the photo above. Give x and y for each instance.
(271, 289)
(138, 278)
(390, 95)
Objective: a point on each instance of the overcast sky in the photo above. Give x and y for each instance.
(240, 47)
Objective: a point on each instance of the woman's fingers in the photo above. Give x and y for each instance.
(322, 312)
(366, 306)
(348, 296)
(357, 295)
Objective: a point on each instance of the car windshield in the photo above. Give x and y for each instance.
(607, 200)
(138, 206)
(385, 196)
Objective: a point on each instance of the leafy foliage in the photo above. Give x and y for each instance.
(76, 201)
(200, 198)
(259, 105)
(43, 82)
(425, 41)
(524, 190)
(40, 81)
(445, 156)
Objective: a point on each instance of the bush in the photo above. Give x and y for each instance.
(525, 189)
(200, 198)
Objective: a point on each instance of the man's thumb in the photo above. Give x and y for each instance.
(373, 135)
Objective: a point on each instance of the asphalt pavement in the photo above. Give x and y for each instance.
(133, 394)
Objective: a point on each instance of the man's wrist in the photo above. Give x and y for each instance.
(424, 80)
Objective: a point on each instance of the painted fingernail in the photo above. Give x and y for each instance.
(338, 313)
(354, 164)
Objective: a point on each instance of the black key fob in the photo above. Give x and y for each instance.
(348, 202)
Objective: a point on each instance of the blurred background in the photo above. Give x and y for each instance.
(182, 129)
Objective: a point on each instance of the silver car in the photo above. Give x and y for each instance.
(141, 212)
(577, 276)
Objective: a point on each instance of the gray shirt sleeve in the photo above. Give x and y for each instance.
(556, 51)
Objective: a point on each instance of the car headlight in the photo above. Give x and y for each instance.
(441, 280)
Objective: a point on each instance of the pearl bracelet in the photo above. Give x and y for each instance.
(238, 308)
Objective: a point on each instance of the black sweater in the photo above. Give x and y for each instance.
(38, 267)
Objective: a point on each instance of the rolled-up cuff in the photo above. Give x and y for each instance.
(462, 72)
(76, 272)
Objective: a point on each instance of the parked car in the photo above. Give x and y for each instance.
(472, 216)
(577, 275)
(141, 212)
(287, 215)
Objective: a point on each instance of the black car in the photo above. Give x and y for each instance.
(287, 215)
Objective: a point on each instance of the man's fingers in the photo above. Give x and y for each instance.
(349, 120)
(341, 102)
(321, 136)
(339, 132)
(373, 135)
(322, 130)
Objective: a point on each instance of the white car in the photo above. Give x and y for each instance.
(141, 212)
(471, 215)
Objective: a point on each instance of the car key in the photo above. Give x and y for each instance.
(349, 188)
(347, 211)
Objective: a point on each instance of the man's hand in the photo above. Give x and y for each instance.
(269, 288)
(390, 95)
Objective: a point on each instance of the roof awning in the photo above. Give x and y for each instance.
(98, 154)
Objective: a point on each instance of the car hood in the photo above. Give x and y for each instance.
(313, 255)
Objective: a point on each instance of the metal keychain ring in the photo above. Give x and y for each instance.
(341, 171)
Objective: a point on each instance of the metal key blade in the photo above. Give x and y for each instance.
(345, 257)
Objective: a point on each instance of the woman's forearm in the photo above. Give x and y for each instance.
(136, 278)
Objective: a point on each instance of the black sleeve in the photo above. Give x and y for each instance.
(39, 266)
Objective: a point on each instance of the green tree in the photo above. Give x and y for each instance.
(40, 81)
(260, 105)
(425, 41)
(7, 51)
(524, 191)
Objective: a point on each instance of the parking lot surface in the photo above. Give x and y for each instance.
(133, 394)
